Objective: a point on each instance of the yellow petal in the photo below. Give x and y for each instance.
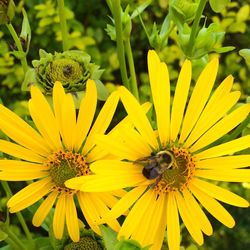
(102, 121)
(127, 122)
(58, 97)
(86, 114)
(213, 207)
(42, 212)
(104, 167)
(22, 176)
(59, 216)
(222, 127)
(102, 209)
(89, 211)
(124, 203)
(68, 121)
(173, 226)
(134, 220)
(19, 152)
(188, 219)
(29, 195)
(232, 175)
(19, 131)
(160, 233)
(225, 148)
(220, 193)
(45, 116)
(21, 166)
(104, 183)
(71, 218)
(226, 162)
(118, 147)
(138, 117)
(200, 95)
(201, 219)
(180, 99)
(44, 126)
(107, 198)
(129, 136)
(160, 88)
(143, 232)
(158, 222)
(211, 115)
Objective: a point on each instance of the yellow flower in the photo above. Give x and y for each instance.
(170, 168)
(62, 148)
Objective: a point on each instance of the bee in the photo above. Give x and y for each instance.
(155, 165)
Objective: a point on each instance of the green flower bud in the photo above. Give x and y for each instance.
(7, 11)
(71, 68)
(185, 8)
(85, 243)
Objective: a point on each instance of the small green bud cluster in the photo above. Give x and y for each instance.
(85, 243)
(72, 68)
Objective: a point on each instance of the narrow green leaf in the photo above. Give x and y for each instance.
(218, 5)
(224, 49)
(140, 8)
(26, 31)
(109, 237)
(245, 53)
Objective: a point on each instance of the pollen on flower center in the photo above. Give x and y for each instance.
(178, 176)
(64, 166)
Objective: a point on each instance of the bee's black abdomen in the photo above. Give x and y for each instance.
(150, 174)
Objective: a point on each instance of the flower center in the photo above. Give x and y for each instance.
(64, 166)
(64, 70)
(179, 174)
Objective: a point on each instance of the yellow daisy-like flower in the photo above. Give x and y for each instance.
(170, 168)
(62, 148)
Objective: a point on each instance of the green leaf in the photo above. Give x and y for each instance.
(224, 49)
(243, 14)
(3, 235)
(129, 245)
(109, 237)
(18, 54)
(26, 31)
(102, 92)
(140, 8)
(29, 79)
(245, 53)
(218, 5)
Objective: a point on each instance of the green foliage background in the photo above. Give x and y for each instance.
(87, 21)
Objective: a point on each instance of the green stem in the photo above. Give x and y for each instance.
(134, 87)
(18, 214)
(19, 46)
(109, 3)
(195, 27)
(15, 239)
(11, 243)
(119, 41)
(63, 24)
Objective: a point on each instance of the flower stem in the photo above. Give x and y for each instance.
(195, 27)
(11, 243)
(116, 11)
(19, 47)
(134, 87)
(18, 214)
(15, 239)
(63, 24)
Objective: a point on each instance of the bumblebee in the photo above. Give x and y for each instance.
(155, 165)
